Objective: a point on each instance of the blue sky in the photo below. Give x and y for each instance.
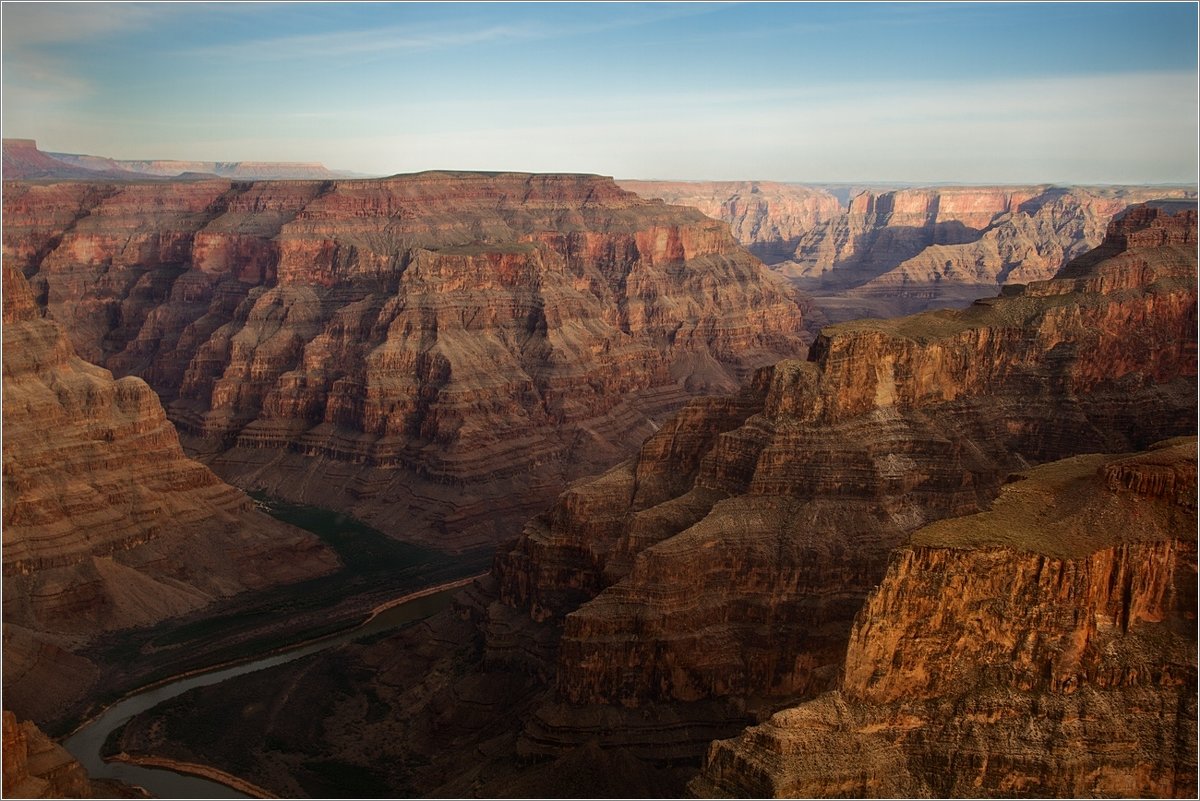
(921, 92)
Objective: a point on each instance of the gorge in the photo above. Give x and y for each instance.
(868, 251)
(765, 554)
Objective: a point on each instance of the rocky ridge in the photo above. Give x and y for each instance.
(1045, 647)
(24, 161)
(107, 524)
(460, 344)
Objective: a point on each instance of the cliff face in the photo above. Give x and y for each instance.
(714, 579)
(457, 343)
(1045, 647)
(37, 767)
(891, 253)
(107, 525)
(726, 563)
(908, 250)
(768, 218)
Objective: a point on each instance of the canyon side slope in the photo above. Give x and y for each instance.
(1046, 647)
(891, 252)
(715, 578)
(107, 524)
(437, 354)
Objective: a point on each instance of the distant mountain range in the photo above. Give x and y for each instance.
(24, 161)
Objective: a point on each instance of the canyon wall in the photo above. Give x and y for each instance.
(1046, 647)
(715, 579)
(902, 251)
(767, 217)
(107, 524)
(720, 570)
(454, 345)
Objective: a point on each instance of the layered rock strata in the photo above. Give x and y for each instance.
(767, 217)
(1046, 647)
(37, 767)
(107, 524)
(457, 345)
(893, 252)
(714, 579)
(727, 561)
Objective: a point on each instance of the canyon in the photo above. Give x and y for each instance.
(876, 558)
(436, 354)
(107, 524)
(897, 251)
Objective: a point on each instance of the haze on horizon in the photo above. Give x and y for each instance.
(1080, 93)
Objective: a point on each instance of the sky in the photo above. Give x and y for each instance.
(808, 92)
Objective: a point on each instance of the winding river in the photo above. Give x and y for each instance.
(86, 743)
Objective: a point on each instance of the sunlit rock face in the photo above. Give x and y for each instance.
(1046, 647)
(453, 345)
(37, 767)
(721, 570)
(107, 523)
(888, 253)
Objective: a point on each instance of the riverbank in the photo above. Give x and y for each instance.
(192, 769)
(377, 571)
(141, 763)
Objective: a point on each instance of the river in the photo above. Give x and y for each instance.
(86, 743)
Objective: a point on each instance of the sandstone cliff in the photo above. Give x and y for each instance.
(457, 345)
(107, 525)
(1046, 647)
(724, 565)
(37, 767)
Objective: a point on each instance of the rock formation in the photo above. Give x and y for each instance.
(728, 560)
(107, 524)
(24, 161)
(768, 218)
(37, 767)
(714, 579)
(1046, 647)
(901, 251)
(451, 344)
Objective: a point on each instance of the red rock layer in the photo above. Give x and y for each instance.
(457, 343)
(107, 524)
(37, 767)
(728, 560)
(1046, 647)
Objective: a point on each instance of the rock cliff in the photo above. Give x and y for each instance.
(1046, 647)
(107, 524)
(458, 345)
(768, 218)
(727, 561)
(714, 579)
(895, 252)
(37, 767)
